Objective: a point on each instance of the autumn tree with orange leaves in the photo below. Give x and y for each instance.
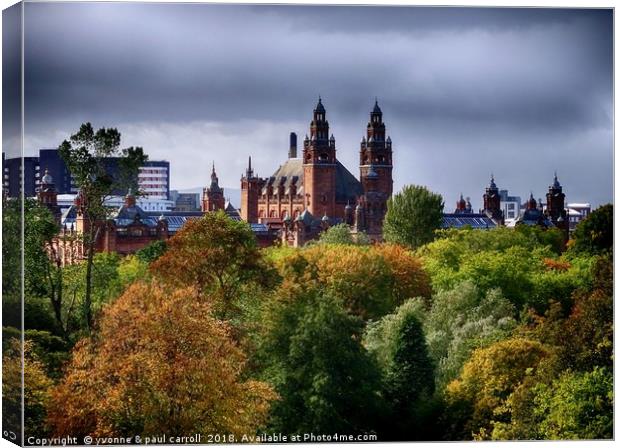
(160, 364)
(216, 255)
(370, 280)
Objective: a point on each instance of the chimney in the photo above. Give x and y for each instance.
(292, 152)
(130, 199)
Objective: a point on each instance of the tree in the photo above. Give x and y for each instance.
(160, 364)
(409, 278)
(43, 270)
(341, 234)
(576, 406)
(370, 280)
(569, 395)
(524, 263)
(152, 252)
(582, 337)
(326, 380)
(35, 392)
(573, 405)
(85, 154)
(216, 255)
(464, 319)
(478, 398)
(131, 269)
(11, 255)
(398, 343)
(412, 216)
(594, 235)
(105, 286)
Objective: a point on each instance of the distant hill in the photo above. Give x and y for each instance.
(232, 194)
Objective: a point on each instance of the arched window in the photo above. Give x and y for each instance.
(261, 213)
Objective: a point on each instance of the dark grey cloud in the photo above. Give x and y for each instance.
(465, 91)
(11, 80)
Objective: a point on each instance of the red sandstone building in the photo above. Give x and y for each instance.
(310, 193)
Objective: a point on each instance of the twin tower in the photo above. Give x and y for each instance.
(317, 187)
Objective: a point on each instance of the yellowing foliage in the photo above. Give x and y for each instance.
(36, 388)
(490, 377)
(161, 364)
(409, 278)
(370, 280)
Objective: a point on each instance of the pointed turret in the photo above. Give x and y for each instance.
(555, 205)
(492, 202)
(249, 173)
(532, 204)
(319, 165)
(48, 196)
(213, 196)
(319, 106)
(214, 180)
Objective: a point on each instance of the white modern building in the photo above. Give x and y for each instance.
(154, 180)
(510, 205)
(148, 204)
(577, 211)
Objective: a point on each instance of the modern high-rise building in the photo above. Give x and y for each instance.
(153, 176)
(154, 179)
(17, 169)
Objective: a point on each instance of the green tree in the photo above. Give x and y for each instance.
(42, 267)
(11, 254)
(594, 235)
(217, 255)
(326, 380)
(583, 337)
(413, 215)
(524, 263)
(85, 154)
(464, 319)
(573, 405)
(131, 269)
(105, 286)
(152, 252)
(397, 341)
(576, 406)
(341, 234)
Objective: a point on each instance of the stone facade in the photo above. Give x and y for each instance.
(213, 196)
(320, 188)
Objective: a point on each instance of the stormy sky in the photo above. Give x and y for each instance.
(465, 92)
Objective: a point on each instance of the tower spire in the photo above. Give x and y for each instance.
(249, 172)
